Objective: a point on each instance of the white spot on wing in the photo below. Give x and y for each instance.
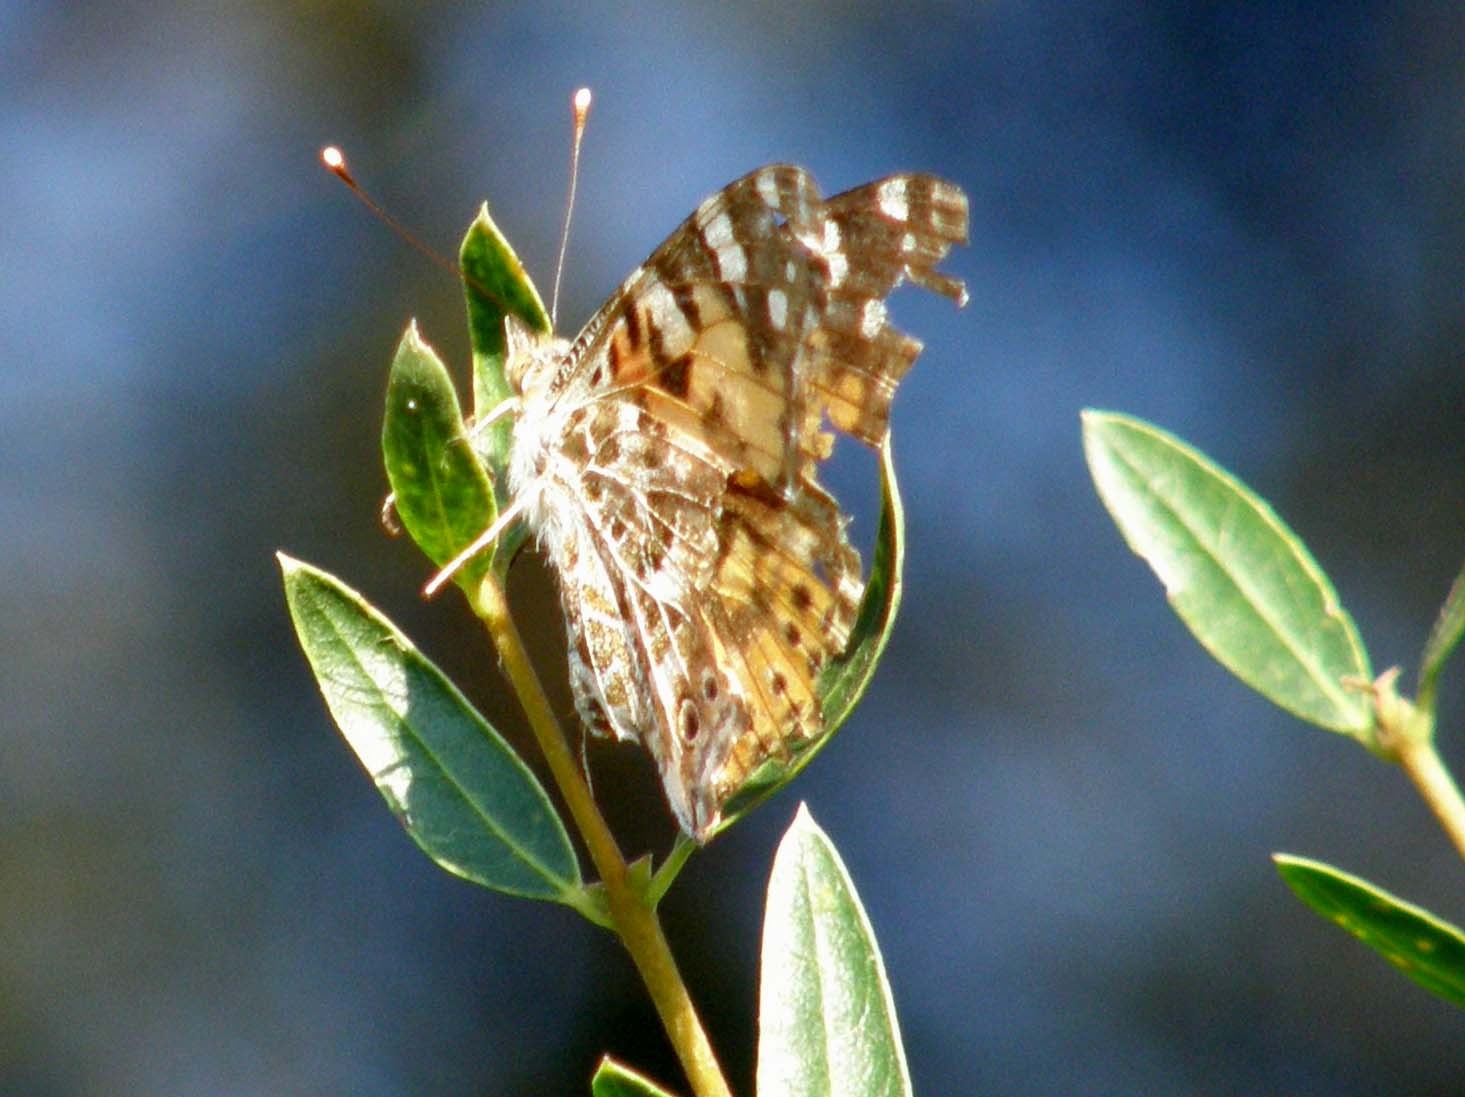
(892, 198)
(628, 418)
(733, 262)
(838, 269)
(777, 308)
(872, 319)
(768, 189)
(718, 232)
(832, 238)
(829, 245)
(676, 333)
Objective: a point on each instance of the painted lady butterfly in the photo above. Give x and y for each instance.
(667, 463)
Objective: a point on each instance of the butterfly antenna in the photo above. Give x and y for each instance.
(581, 106)
(335, 161)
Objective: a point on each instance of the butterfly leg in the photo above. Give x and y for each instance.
(506, 407)
(507, 517)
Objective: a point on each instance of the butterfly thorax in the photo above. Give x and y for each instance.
(532, 363)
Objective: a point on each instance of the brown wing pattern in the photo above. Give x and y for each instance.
(874, 237)
(700, 396)
(710, 331)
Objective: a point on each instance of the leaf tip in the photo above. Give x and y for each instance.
(803, 824)
(1091, 424)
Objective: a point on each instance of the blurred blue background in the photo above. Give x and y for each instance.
(1243, 222)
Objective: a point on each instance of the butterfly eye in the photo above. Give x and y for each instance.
(524, 357)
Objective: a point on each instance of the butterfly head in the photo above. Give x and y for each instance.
(530, 357)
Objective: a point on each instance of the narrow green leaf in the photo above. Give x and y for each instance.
(1443, 638)
(1238, 577)
(666, 873)
(826, 1021)
(845, 680)
(1427, 949)
(496, 284)
(613, 1079)
(443, 495)
(462, 793)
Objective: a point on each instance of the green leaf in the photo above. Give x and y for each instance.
(460, 790)
(826, 1021)
(1425, 948)
(1237, 576)
(845, 680)
(612, 1079)
(443, 495)
(1448, 629)
(666, 873)
(496, 284)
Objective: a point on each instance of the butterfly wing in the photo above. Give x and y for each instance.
(709, 331)
(698, 617)
(698, 400)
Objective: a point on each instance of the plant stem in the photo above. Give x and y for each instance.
(1404, 732)
(1426, 769)
(635, 921)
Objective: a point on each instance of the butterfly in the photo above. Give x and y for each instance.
(666, 461)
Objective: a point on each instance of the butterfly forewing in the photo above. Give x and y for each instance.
(667, 461)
